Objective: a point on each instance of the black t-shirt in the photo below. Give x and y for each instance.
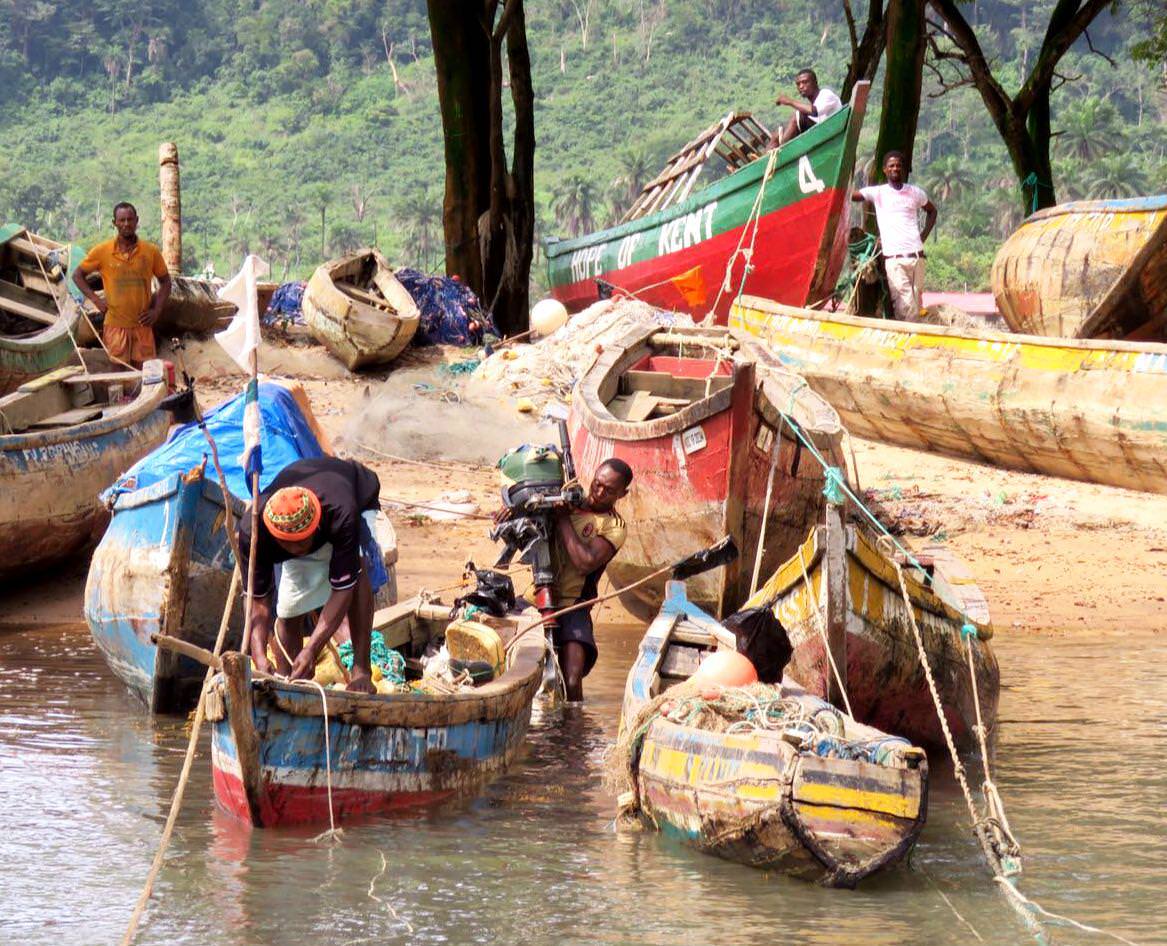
(345, 489)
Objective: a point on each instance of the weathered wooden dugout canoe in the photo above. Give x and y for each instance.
(357, 309)
(799, 246)
(194, 306)
(66, 437)
(1082, 409)
(831, 800)
(695, 413)
(387, 752)
(37, 314)
(1087, 269)
(164, 565)
(840, 586)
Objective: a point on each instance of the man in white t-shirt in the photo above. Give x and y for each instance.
(819, 104)
(896, 214)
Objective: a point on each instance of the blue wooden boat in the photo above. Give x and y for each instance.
(272, 764)
(770, 776)
(164, 564)
(64, 437)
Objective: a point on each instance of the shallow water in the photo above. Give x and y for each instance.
(86, 778)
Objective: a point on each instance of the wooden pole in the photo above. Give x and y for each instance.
(171, 207)
(835, 567)
(245, 648)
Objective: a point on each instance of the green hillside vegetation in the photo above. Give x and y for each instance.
(287, 116)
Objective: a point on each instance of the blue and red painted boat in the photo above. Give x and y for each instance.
(286, 753)
(783, 215)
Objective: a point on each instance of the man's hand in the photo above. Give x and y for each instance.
(784, 100)
(501, 515)
(304, 666)
(150, 316)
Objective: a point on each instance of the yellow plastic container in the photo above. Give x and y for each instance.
(472, 640)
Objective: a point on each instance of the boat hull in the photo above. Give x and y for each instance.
(801, 208)
(1088, 269)
(1080, 409)
(272, 765)
(755, 797)
(163, 567)
(50, 483)
(360, 334)
(884, 679)
(702, 474)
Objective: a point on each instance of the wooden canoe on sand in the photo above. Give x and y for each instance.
(66, 437)
(357, 309)
(37, 314)
(842, 586)
(1082, 409)
(698, 415)
(272, 766)
(813, 794)
(1087, 269)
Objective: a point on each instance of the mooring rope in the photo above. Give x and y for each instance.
(822, 629)
(333, 833)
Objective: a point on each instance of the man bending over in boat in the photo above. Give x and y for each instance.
(586, 539)
(896, 204)
(315, 521)
(819, 104)
(128, 268)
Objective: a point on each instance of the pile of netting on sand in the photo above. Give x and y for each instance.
(548, 368)
(806, 720)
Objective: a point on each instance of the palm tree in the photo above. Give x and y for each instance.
(1089, 129)
(421, 216)
(632, 171)
(1114, 176)
(574, 202)
(947, 177)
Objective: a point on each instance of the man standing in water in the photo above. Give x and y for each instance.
(896, 204)
(586, 539)
(312, 504)
(128, 267)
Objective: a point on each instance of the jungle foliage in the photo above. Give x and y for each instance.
(309, 129)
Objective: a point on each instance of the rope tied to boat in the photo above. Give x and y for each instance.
(833, 485)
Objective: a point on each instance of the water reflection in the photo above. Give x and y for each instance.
(85, 781)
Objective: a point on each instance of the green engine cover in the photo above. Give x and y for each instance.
(531, 464)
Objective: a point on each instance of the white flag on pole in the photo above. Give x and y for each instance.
(241, 337)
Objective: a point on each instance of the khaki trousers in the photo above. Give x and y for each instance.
(905, 283)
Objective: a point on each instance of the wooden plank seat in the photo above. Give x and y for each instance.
(76, 415)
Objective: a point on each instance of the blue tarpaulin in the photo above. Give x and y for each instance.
(286, 438)
(450, 312)
(287, 304)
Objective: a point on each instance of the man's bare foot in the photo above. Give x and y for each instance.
(361, 683)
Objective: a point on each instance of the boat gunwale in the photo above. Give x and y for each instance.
(149, 396)
(759, 304)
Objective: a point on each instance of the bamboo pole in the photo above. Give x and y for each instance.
(171, 207)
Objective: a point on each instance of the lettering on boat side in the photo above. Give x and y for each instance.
(693, 439)
(684, 232)
(587, 263)
(808, 182)
(627, 247)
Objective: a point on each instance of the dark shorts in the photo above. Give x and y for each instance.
(577, 626)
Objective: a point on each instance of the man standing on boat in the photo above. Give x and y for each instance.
(315, 521)
(128, 267)
(587, 538)
(896, 204)
(819, 104)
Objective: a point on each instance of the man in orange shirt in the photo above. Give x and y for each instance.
(128, 267)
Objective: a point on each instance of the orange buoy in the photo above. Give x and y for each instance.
(727, 668)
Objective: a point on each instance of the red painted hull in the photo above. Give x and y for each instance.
(786, 264)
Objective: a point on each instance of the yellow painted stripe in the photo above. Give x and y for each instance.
(851, 799)
(852, 816)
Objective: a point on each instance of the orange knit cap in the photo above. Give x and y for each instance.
(292, 513)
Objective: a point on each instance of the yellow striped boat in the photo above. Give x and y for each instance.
(814, 794)
(1078, 408)
(1087, 269)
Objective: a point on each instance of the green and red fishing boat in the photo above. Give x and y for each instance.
(781, 214)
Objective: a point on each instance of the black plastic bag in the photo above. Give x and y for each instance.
(762, 638)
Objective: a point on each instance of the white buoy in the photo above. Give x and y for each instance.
(548, 315)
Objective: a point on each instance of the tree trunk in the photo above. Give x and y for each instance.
(489, 210)
(903, 78)
(462, 60)
(866, 51)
